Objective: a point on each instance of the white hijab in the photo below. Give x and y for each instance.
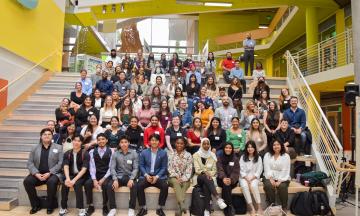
(206, 154)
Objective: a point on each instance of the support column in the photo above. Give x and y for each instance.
(341, 38)
(269, 66)
(312, 31)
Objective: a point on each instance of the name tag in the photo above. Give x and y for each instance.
(231, 163)
(157, 132)
(86, 83)
(178, 134)
(55, 151)
(209, 166)
(259, 139)
(123, 88)
(220, 101)
(141, 134)
(217, 138)
(285, 102)
(90, 113)
(129, 161)
(166, 118)
(239, 135)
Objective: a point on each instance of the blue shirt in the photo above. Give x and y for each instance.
(197, 74)
(122, 87)
(186, 117)
(153, 160)
(296, 119)
(239, 73)
(249, 44)
(86, 86)
(105, 86)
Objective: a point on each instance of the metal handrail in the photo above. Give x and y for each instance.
(325, 141)
(328, 54)
(27, 71)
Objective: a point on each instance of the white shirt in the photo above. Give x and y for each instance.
(94, 135)
(257, 74)
(105, 115)
(278, 169)
(249, 168)
(116, 61)
(75, 163)
(97, 103)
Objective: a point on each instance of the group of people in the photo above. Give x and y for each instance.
(124, 127)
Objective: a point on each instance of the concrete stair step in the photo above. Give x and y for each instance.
(10, 181)
(59, 84)
(24, 122)
(34, 111)
(25, 140)
(8, 192)
(8, 172)
(16, 155)
(22, 128)
(57, 94)
(56, 87)
(42, 98)
(68, 74)
(16, 147)
(13, 163)
(7, 204)
(41, 102)
(39, 106)
(13, 135)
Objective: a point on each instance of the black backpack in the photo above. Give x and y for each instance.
(301, 204)
(315, 178)
(301, 168)
(197, 206)
(239, 204)
(320, 204)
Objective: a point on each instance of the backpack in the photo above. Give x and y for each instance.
(301, 168)
(239, 204)
(320, 205)
(315, 178)
(301, 204)
(197, 206)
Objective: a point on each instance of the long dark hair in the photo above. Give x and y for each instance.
(246, 153)
(273, 113)
(211, 128)
(282, 151)
(211, 86)
(178, 89)
(213, 57)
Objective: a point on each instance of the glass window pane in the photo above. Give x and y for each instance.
(159, 50)
(178, 50)
(160, 32)
(144, 28)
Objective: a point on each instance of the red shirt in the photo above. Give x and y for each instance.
(151, 130)
(228, 63)
(195, 139)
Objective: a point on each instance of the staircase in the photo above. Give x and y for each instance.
(20, 131)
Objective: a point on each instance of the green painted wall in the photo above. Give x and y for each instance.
(212, 25)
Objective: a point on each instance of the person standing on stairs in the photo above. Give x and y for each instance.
(44, 165)
(86, 83)
(124, 170)
(249, 45)
(100, 159)
(75, 168)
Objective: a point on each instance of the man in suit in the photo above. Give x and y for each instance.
(44, 165)
(153, 169)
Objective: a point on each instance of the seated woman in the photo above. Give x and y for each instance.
(135, 100)
(177, 98)
(257, 135)
(90, 132)
(284, 99)
(216, 135)
(77, 97)
(272, 120)
(97, 101)
(286, 136)
(228, 168)
(235, 90)
(260, 87)
(145, 112)
(258, 72)
(180, 167)
(140, 84)
(205, 114)
(67, 118)
(236, 135)
(192, 89)
(174, 132)
(107, 112)
(67, 138)
(157, 72)
(114, 133)
(248, 114)
(165, 115)
(124, 113)
(251, 168)
(82, 114)
(156, 98)
(262, 104)
(159, 83)
(205, 174)
(203, 97)
(194, 135)
(212, 89)
(277, 174)
(135, 134)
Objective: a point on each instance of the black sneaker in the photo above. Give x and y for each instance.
(142, 212)
(105, 210)
(90, 210)
(35, 209)
(160, 212)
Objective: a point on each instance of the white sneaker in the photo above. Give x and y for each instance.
(221, 203)
(82, 212)
(63, 212)
(206, 213)
(112, 212)
(131, 212)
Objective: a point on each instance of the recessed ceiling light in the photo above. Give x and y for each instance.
(113, 8)
(218, 4)
(122, 8)
(104, 9)
(263, 26)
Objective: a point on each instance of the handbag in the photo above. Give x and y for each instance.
(274, 210)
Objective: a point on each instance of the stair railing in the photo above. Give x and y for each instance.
(326, 145)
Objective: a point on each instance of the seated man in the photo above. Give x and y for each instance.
(227, 65)
(86, 83)
(218, 99)
(286, 137)
(297, 122)
(75, 167)
(100, 158)
(44, 165)
(104, 85)
(238, 72)
(153, 173)
(124, 170)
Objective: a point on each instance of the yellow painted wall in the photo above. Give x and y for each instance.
(33, 34)
(212, 25)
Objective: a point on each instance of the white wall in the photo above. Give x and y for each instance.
(11, 67)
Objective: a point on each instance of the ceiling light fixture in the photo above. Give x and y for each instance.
(218, 4)
(122, 8)
(263, 26)
(104, 9)
(113, 8)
